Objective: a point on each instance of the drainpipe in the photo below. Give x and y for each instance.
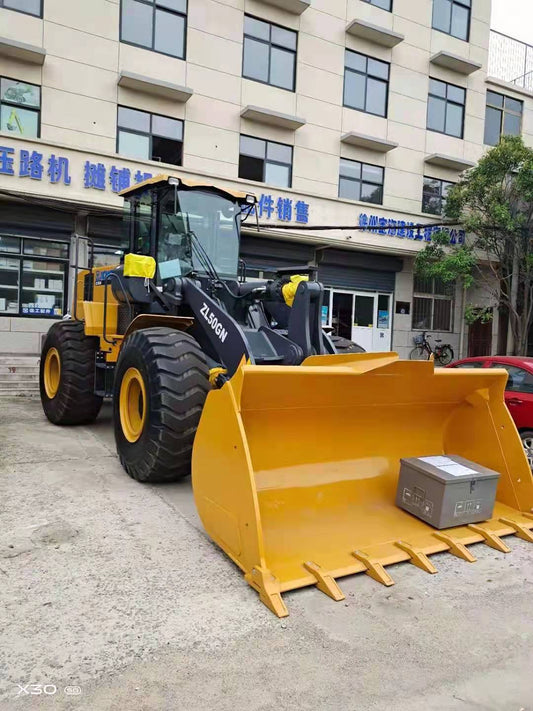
(462, 333)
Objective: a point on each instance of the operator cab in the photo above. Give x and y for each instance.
(188, 227)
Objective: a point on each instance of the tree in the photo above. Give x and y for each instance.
(494, 204)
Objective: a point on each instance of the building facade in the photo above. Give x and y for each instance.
(333, 112)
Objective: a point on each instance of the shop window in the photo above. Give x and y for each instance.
(446, 108)
(433, 302)
(452, 17)
(20, 108)
(434, 195)
(33, 276)
(383, 4)
(269, 54)
(361, 181)
(29, 7)
(147, 136)
(265, 162)
(503, 117)
(159, 25)
(366, 83)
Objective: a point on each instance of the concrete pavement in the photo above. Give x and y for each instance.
(112, 587)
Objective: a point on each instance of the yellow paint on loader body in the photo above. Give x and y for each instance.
(295, 469)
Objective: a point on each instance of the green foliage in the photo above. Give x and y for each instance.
(477, 313)
(494, 203)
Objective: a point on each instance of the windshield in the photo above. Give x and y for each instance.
(209, 217)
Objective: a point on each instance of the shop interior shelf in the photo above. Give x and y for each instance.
(8, 286)
(35, 288)
(33, 271)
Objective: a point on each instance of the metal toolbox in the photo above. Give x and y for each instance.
(446, 490)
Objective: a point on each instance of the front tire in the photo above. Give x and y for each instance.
(527, 443)
(343, 346)
(66, 375)
(446, 356)
(161, 383)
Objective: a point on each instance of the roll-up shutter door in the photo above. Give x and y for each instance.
(358, 270)
(270, 254)
(35, 221)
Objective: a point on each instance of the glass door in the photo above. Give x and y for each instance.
(342, 314)
(382, 337)
(364, 320)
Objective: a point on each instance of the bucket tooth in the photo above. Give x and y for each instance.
(491, 539)
(456, 548)
(268, 587)
(325, 582)
(374, 568)
(521, 531)
(417, 557)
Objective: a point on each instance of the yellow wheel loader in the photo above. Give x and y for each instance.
(295, 447)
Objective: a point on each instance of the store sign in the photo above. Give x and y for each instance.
(406, 230)
(55, 169)
(41, 311)
(283, 209)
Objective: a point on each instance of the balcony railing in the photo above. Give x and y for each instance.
(511, 60)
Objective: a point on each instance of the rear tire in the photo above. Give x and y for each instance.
(345, 346)
(66, 375)
(161, 383)
(446, 355)
(419, 353)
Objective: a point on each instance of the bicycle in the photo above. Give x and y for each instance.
(443, 354)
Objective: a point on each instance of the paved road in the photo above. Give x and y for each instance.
(113, 587)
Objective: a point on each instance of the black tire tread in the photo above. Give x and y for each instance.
(75, 402)
(344, 345)
(178, 383)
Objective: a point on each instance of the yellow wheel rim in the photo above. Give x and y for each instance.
(52, 373)
(132, 404)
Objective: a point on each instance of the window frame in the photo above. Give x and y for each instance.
(454, 3)
(391, 5)
(361, 181)
(270, 44)
(150, 135)
(24, 12)
(503, 111)
(447, 101)
(23, 256)
(433, 297)
(29, 108)
(366, 76)
(441, 198)
(153, 3)
(266, 160)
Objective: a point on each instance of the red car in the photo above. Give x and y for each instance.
(518, 393)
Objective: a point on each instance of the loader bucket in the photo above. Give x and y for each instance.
(295, 469)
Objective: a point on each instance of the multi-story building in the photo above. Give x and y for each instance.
(334, 112)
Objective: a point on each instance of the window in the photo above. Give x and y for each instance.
(503, 117)
(20, 108)
(265, 162)
(269, 53)
(361, 181)
(434, 195)
(33, 276)
(520, 380)
(30, 7)
(159, 25)
(432, 305)
(383, 4)
(473, 364)
(446, 108)
(149, 136)
(452, 17)
(366, 83)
